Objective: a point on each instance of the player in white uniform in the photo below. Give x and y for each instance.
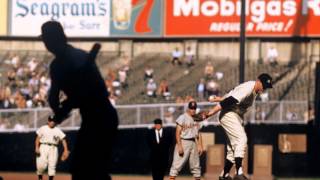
(46, 147)
(188, 145)
(233, 107)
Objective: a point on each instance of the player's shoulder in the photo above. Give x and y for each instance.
(246, 85)
(76, 52)
(44, 127)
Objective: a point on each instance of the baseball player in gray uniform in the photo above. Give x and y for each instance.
(188, 144)
(233, 107)
(46, 147)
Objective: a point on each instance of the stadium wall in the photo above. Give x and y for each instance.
(131, 154)
(255, 49)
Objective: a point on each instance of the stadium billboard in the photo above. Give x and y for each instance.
(80, 18)
(282, 18)
(136, 18)
(3, 17)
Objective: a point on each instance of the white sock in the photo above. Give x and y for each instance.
(240, 171)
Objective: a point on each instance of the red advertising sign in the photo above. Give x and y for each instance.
(222, 18)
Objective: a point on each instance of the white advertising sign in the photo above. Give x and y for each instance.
(80, 18)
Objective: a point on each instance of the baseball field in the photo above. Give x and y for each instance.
(61, 176)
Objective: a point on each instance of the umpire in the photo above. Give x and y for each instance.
(159, 141)
(75, 73)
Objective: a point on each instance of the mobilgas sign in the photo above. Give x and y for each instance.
(89, 18)
(222, 17)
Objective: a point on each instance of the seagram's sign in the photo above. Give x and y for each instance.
(79, 17)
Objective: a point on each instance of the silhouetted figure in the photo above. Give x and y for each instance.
(75, 73)
(159, 141)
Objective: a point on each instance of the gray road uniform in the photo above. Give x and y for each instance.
(231, 119)
(189, 133)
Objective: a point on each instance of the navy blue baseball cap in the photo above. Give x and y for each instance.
(266, 80)
(192, 105)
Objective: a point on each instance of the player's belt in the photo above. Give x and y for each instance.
(189, 139)
(49, 144)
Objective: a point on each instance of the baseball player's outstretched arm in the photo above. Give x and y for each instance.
(214, 110)
(214, 98)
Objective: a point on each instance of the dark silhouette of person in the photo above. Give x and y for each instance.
(159, 141)
(77, 76)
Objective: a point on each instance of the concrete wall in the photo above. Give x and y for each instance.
(255, 49)
(38, 45)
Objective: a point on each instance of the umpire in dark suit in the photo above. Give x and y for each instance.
(75, 73)
(159, 141)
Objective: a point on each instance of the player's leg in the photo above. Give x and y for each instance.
(229, 161)
(194, 162)
(53, 159)
(239, 153)
(42, 161)
(232, 125)
(179, 161)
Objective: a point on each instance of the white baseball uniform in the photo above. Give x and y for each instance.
(231, 119)
(49, 140)
(190, 131)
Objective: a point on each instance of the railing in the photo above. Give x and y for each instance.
(142, 115)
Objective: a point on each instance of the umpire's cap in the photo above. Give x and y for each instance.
(157, 121)
(266, 80)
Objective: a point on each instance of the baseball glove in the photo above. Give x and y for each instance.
(200, 116)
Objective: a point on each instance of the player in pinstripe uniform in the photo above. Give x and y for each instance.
(233, 107)
(46, 147)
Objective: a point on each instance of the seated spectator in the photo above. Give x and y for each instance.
(212, 88)
(209, 70)
(308, 115)
(148, 73)
(189, 57)
(32, 64)
(291, 116)
(176, 56)
(260, 114)
(168, 115)
(113, 99)
(126, 64)
(272, 56)
(151, 88)
(20, 100)
(19, 126)
(2, 125)
(188, 98)
(219, 75)
(201, 89)
(117, 88)
(123, 77)
(15, 61)
(264, 96)
(163, 89)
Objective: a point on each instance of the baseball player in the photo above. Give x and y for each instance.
(233, 107)
(188, 144)
(75, 73)
(46, 144)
